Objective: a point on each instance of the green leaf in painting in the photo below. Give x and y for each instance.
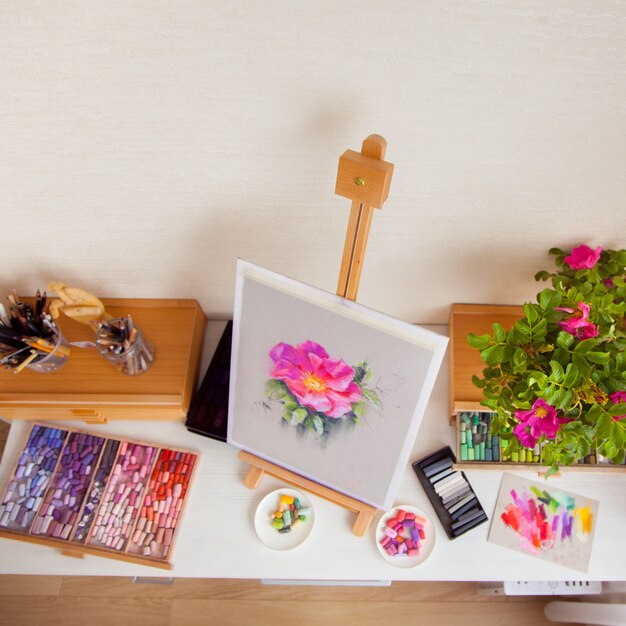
(318, 424)
(372, 396)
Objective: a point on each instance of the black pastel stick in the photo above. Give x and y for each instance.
(461, 529)
(466, 507)
(437, 467)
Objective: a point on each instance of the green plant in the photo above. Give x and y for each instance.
(557, 379)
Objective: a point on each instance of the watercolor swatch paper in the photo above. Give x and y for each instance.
(325, 387)
(544, 521)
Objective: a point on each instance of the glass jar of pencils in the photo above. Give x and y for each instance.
(123, 344)
(48, 355)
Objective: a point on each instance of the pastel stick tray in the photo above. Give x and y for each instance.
(457, 515)
(86, 493)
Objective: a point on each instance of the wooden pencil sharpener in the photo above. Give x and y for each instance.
(363, 178)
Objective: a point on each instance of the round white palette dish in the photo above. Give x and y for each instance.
(426, 545)
(263, 521)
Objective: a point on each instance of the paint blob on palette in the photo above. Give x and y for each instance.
(543, 521)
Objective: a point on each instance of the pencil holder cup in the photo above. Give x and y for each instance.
(132, 355)
(55, 359)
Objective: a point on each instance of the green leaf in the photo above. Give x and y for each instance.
(499, 334)
(618, 409)
(478, 382)
(548, 299)
(582, 365)
(531, 313)
(542, 275)
(564, 340)
(584, 346)
(604, 426)
(537, 378)
(572, 376)
(556, 372)
(493, 355)
(598, 357)
(617, 436)
(479, 342)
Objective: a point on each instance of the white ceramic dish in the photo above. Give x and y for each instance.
(263, 523)
(426, 545)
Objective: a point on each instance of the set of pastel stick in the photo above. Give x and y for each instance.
(477, 445)
(95, 494)
(450, 493)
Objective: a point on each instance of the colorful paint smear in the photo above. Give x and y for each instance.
(545, 522)
(542, 519)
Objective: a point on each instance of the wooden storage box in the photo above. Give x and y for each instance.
(89, 388)
(465, 361)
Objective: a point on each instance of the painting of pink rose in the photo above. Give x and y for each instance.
(316, 390)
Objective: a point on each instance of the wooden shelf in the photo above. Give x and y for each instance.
(464, 360)
(89, 388)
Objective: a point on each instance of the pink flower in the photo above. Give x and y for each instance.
(579, 324)
(617, 398)
(317, 381)
(541, 419)
(583, 257)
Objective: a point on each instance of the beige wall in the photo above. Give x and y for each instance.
(145, 145)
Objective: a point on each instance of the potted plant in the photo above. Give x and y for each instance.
(557, 378)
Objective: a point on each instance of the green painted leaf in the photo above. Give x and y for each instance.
(318, 424)
(299, 415)
(276, 389)
(372, 396)
(359, 409)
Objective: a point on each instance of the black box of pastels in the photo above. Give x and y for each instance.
(450, 493)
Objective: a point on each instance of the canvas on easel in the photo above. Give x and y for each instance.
(325, 387)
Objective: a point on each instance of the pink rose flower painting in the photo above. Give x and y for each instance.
(316, 391)
(583, 257)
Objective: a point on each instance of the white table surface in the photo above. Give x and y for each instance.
(217, 537)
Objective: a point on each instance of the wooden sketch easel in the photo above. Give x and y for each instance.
(363, 177)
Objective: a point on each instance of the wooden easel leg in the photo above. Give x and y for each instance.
(253, 477)
(362, 523)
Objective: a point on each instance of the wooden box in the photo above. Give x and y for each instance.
(89, 388)
(465, 361)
